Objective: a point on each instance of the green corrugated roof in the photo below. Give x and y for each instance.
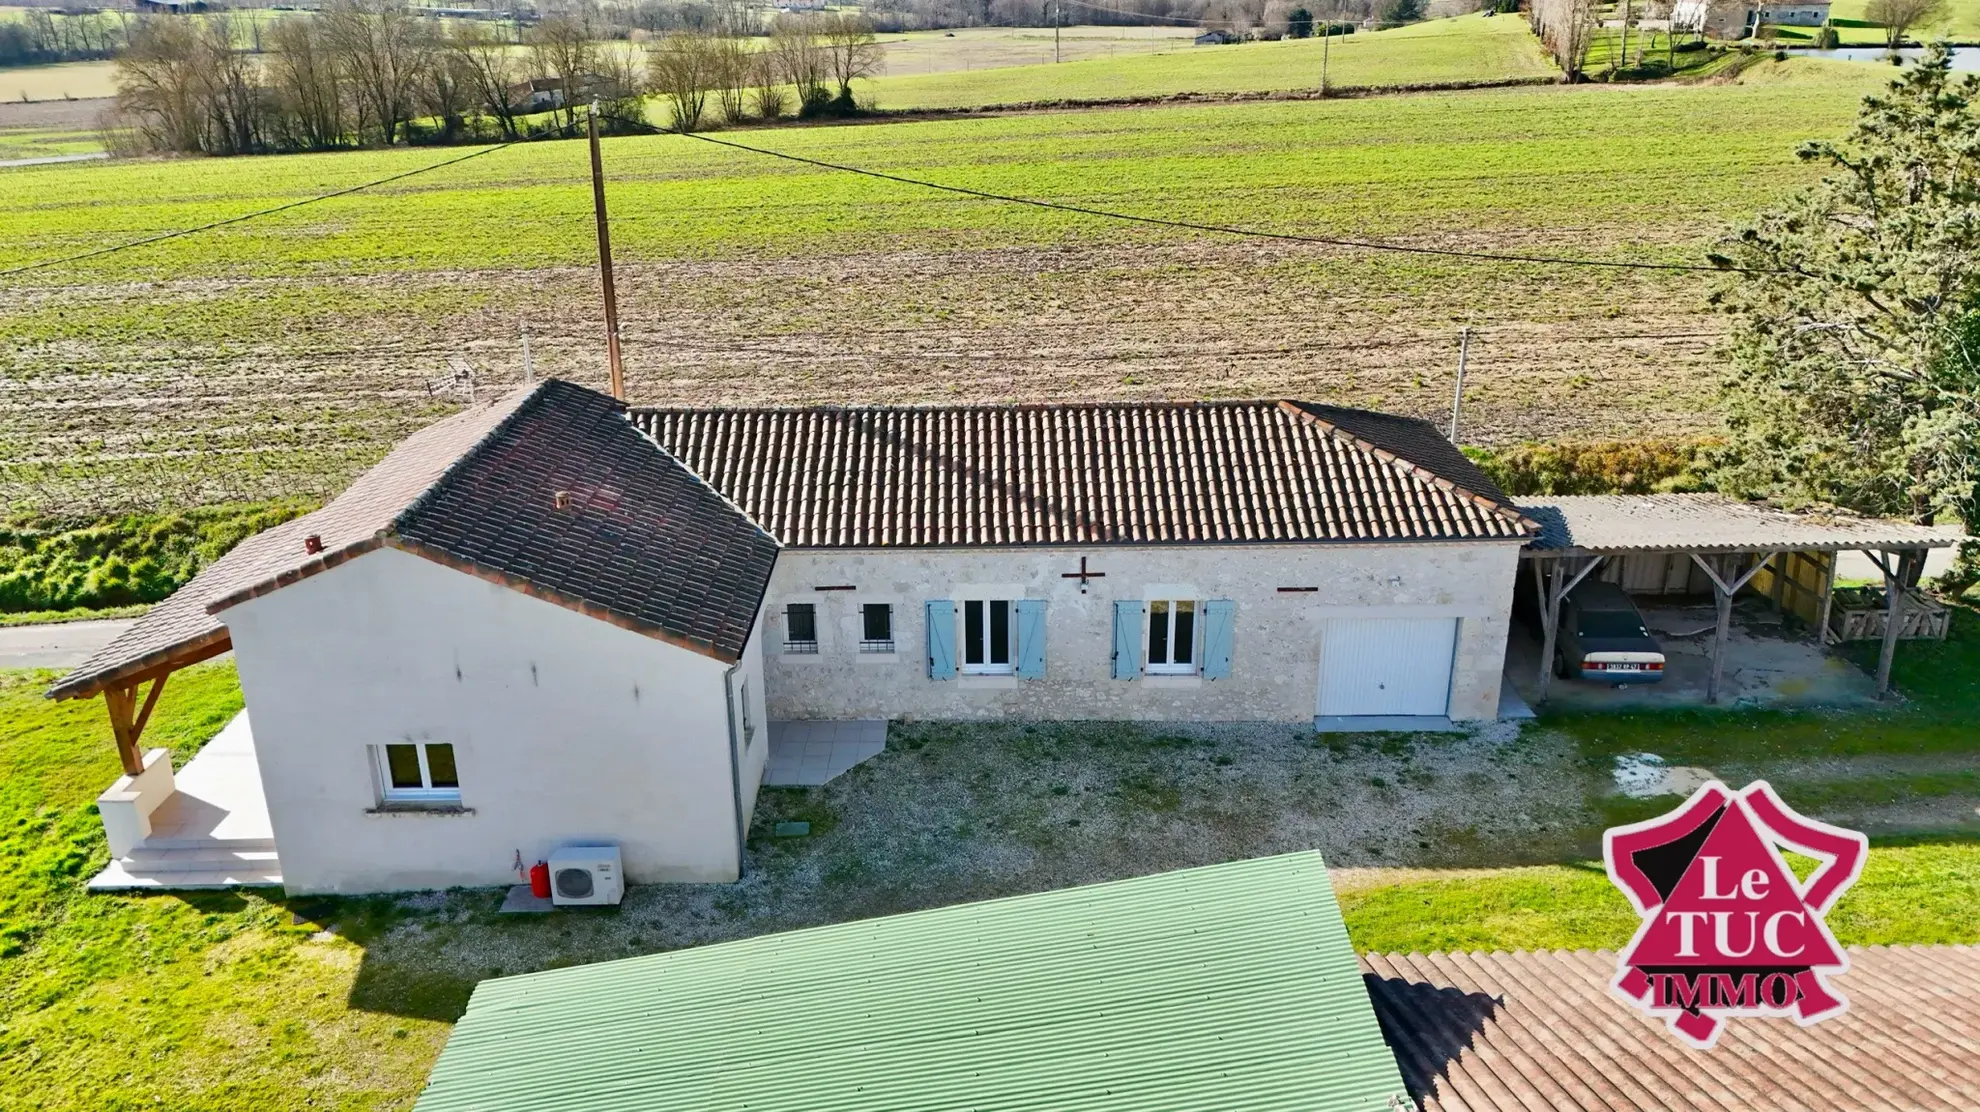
(1227, 987)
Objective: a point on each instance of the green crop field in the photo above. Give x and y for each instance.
(978, 48)
(1469, 49)
(276, 357)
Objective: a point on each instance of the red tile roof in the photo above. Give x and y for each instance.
(1220, 472)
(642, 543)
(1524, 1031)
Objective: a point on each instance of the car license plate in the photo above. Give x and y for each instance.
(1625, 668)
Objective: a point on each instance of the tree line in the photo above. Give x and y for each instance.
(374, 73)
(41, 37)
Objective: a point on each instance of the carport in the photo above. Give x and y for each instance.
(1675, 543)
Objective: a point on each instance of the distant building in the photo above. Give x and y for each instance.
(1736, 19)
(171, 7)
(1216, 37)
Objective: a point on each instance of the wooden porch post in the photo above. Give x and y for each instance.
(1726, 581)
(1894, 566)
(127, 720)
(1554, 590)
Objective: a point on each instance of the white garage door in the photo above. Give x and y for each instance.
(1389, 666)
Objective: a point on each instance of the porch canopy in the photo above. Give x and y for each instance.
(1731, 542)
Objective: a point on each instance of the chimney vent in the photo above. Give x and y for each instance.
(563, 499)
(312, 544)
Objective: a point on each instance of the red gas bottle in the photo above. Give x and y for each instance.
(539, 880)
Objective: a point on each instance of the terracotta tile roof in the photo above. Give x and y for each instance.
(1714, 523)
(644, 543)
(641, 541)
(1220, 472)
(1516, 1032)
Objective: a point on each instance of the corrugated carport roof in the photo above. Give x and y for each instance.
(1712, 523)
(1221, 988)
(1515, 1032)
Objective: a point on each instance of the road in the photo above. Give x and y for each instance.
(57, 645)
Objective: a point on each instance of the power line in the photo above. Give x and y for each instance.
(257, 214)
(1220, 229)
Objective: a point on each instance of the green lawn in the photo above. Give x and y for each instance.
(1960, 22)
(247, 1000)
(1466, 50)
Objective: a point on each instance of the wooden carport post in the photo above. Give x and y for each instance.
(1554, 585)
(1726, 582)
(127, 720)
(1896, 566)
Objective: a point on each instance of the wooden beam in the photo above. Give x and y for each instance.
(1893, 565)
(1554, 590)
(1726, 582)
(150, 700)
(120, 701)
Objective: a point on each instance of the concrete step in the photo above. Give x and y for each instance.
(148, 860)
(117, 878)
(247, 844)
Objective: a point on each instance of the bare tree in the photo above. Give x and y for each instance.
(1567, 29)
(564, 45)
(683, 69)
(182, 86)
(732, 77)
(766, 80)
(491, 70)
(1899, 16)
(308, 85)
(851, 50)
(385, 51)
(803, 61)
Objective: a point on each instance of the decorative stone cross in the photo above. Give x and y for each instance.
(1083, 575)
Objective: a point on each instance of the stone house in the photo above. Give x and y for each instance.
(550, 620)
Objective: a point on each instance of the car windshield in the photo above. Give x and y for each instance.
(1611, 623)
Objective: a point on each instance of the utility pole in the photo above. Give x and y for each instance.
(1457, 395)
(605, 261)
(529, 369)
(1058, 17)
(1326, 44)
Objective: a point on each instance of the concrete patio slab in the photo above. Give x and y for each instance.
(212, 832)
(807, 753)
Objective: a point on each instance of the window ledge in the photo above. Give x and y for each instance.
(434, 809)
(1157, 679)
(989, 682)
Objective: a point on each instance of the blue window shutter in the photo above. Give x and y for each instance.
(1031, 638)
(1219, 625)
(941, 639)
(1127, 638)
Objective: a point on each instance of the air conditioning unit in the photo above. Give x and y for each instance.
(586, 876)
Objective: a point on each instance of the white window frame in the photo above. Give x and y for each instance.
(426, 793)
(876, 646)
(795, 646)
(985, 667)
(1171, 667)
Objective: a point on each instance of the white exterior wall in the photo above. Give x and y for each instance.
(566, 730)
(1278, 643)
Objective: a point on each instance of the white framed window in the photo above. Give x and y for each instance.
(876, 627)
(1172, 637)
(417, 772)
(801, 627)
(988, 636)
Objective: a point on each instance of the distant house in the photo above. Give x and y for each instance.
(538, 94)
(1215, 37)
(171, 7)
(1736, 19)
